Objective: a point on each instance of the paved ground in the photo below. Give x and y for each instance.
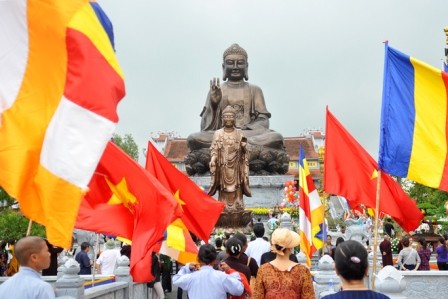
(173, 294)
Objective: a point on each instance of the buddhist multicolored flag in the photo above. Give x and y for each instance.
(60, 85)
(178, 243)
(200, 211)
(351, 172)
(311, 213)
(414, 135)
(125, 200)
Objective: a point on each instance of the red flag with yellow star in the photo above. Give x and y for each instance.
(351, 172)
(200, 211)
(125, 200)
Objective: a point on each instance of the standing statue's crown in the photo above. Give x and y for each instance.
(229, 110)
(234, 49)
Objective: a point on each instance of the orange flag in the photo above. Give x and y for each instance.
(200, 211)
(125, 200)
(311, 212)
(60, 86)
(351, 172)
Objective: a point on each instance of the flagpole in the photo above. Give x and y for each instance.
(375, 240)
(96, 249)
(28, 231)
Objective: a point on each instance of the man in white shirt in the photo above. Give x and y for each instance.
(107, 261)
(33, 256)
(258, 246)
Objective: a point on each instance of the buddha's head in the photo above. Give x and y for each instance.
(235, 64)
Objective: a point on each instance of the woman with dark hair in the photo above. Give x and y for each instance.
(206, 282)
(54, 251)
(442, 254)
(156, 285)
(351, 266)
(126, 250)
(424, 253)
(408, 258)
(339, 240)
(234, 248)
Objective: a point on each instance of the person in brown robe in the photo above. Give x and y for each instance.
(386, 251)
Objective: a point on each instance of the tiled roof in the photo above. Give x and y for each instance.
(317, 134)
(160, 137)
(292, 145)
(176, 150)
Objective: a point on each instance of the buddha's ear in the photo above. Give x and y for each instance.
(246, 73)
(224, 77)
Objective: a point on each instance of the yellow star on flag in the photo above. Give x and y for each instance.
(121, 194)
(179, 200)
(374, 174)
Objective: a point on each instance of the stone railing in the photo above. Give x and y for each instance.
(425, 284)
(388, 280)
(71, 284)
(68, 284)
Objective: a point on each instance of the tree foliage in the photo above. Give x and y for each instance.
(429, 199)
(13, 226)
(127, 144)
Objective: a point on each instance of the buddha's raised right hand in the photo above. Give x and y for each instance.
(215, 92)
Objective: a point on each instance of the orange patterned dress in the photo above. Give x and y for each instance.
(272, 283)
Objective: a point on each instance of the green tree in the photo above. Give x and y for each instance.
(430, 199)
(127, 144)
(13, 226)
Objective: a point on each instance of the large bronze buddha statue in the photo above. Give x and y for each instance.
(266, 146)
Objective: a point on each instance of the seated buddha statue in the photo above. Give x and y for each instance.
(247, 100)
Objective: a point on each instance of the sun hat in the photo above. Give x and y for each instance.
(283, 238)
(110, 244)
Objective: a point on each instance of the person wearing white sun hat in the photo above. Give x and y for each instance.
(282, 277)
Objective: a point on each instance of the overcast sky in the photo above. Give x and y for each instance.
(303, 54)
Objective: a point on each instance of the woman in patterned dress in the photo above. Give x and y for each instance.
(282, 278)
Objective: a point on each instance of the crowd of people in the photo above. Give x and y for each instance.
(414, 255)
(225, 271)
(231, 268)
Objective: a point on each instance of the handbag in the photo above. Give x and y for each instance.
(151, 283)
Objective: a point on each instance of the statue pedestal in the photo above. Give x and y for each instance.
(267, 191)
(235, 221)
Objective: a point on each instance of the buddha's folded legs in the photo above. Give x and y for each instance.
(265, 138)
(200, 140)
